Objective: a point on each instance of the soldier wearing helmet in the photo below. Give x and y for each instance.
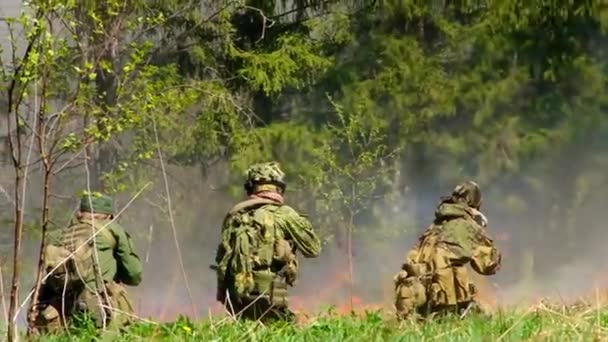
(434, 278)
(256, 258)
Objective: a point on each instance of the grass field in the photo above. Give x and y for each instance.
(538, 323)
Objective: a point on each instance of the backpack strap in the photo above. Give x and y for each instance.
(105, 232)
(101, 228)
(252, 202)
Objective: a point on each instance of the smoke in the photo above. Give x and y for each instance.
(547, 220)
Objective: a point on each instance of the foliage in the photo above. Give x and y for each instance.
(352, 165)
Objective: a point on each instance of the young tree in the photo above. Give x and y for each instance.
(353, 168)
(18, 75)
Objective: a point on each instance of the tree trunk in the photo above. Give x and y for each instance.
(107, 87)
(350, 260)
(40, 270)
(45, 157)
(18, 230)
(104, 163)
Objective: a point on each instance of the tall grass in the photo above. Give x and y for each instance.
(540, 323)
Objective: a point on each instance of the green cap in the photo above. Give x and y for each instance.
(96, 203)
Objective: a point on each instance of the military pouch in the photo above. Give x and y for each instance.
(278, 295)
(399, 278)
(48, 320)
(461, 285)
(262, 283)
(437, 295)
(119, 297)
(119, 301)
(416, 269)
(290, 272)
(50, 313)
(411, 293)
(282, 251)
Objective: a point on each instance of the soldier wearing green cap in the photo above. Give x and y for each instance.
(256, 258)
(434, 278)
(87, 267)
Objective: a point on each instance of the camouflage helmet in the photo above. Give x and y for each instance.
(265, 173)
(469, 193)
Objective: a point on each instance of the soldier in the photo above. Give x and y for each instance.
(434, 278)
(256, 259)
(89, 262)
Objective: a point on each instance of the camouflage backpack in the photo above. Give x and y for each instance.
(250, 244)
(79, 268)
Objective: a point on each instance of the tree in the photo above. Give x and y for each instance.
(353, 166)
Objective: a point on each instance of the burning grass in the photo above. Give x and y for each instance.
(542, 322)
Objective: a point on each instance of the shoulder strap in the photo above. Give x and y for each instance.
(252, 202)
(105, 232)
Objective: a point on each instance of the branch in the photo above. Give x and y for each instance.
(63, 197)
(64, 165)
(264, 20)
(15, 146)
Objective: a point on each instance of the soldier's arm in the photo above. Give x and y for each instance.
(469, 244)
(219, 267)
(129, 265)
(486, 258)
(221, 250)
(298, 229)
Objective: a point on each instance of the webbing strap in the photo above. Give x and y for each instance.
(252, 202)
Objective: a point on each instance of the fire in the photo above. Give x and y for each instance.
(336, 293)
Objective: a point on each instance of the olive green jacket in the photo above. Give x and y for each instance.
(117, 258)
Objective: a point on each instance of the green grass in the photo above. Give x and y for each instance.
(540, 324)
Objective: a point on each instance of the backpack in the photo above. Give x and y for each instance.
(249, 243)
(80, 268)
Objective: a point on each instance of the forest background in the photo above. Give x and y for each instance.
(375, 109)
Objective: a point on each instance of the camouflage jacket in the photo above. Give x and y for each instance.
(276, 223)
(465, 241)
(440, 257)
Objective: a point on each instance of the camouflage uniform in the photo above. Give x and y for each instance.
(99, 290)
(434, 278)
(267, 260)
